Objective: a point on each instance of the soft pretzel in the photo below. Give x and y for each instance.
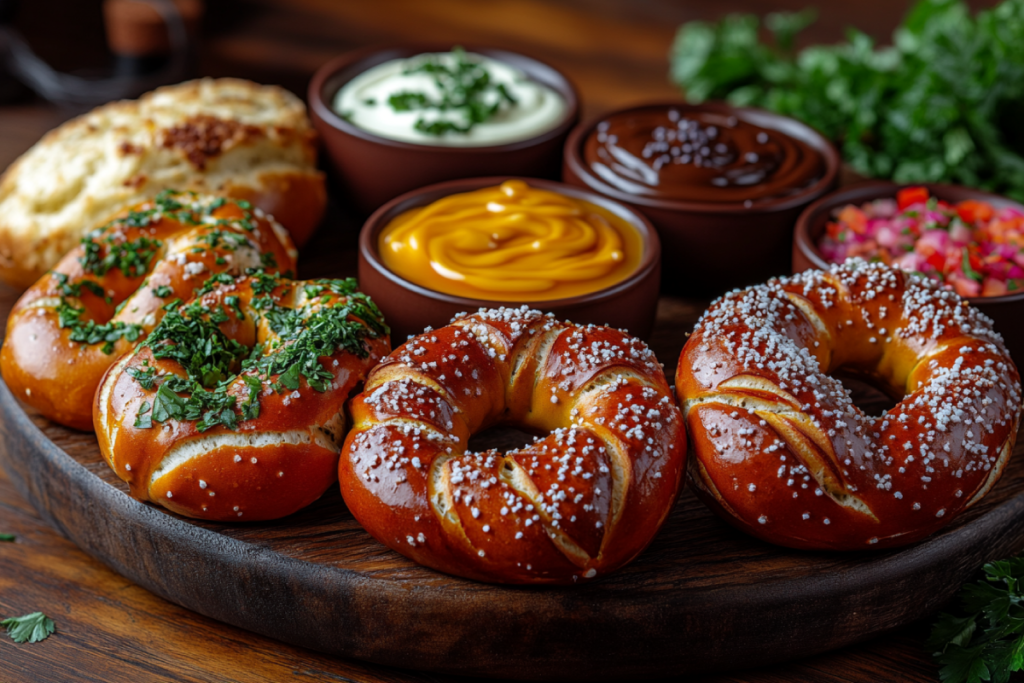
(581, 501)
(781, 451)
(232, 408)
(109, 292)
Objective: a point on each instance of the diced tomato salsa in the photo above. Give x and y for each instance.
(971, 247)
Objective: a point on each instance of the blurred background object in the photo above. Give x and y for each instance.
(144, 35)
(150, 45)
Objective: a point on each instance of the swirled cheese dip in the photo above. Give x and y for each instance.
(700, 156)
(511, 242)
(454, 99)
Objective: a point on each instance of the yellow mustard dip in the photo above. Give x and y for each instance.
(511, 242)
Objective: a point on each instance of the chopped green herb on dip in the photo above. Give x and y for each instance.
(449, 98)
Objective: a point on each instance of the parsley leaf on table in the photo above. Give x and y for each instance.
(943, 103)
(10, 538)
(988, 643)
(30, 628)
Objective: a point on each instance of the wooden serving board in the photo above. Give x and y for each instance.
(703, 597)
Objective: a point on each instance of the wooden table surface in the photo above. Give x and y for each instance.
(111, 630)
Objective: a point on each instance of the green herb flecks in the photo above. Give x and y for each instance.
(132, 257)
(225, 239)
(30, 628)
(8, 538)
(987, 643)
(142, 419)
(965, 263)
(67, 288)
(144, 375)
(942, 104)
(212, 362)
(163, 291)
(465, 89)
(89, 332)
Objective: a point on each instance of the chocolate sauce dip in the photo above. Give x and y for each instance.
(700, 156)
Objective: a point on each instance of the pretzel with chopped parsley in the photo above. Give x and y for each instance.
(579, 502)
(781, 451)
(108, 293)
(232, 409)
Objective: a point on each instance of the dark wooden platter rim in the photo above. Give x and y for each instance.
(702, 598)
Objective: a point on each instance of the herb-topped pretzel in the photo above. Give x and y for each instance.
(232, 407)
(108, 293)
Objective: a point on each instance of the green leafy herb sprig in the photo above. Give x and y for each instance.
(465, 88)
(942, 104)
(987, 644)
(30, 628)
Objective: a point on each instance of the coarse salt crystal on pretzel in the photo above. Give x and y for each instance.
(581, 501)
(781, 451)
(232, 409)
(108, 293)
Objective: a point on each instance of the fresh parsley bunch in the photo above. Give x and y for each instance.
(988, 643)
(944, 103)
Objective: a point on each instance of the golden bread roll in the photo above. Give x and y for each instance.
(222, 136)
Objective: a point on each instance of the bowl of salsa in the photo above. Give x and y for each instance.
(969, 241)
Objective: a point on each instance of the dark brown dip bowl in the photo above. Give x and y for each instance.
(375, 169)
(410, 308)
(1007, 310)
(709, 248)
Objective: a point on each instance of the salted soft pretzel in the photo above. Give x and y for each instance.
(232, 409)
(579, 502)
(108, 293)
(780, 450)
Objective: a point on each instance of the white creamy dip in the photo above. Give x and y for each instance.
(363, 101)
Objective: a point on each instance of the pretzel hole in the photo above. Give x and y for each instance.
(504, 438)
(869, 392)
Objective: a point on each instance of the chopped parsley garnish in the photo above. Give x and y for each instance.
(167, 201)
(75, 289)
(145, 375)
(233, 303)
(142, 420)
(465, 88)
(8, 538)
(30, 628)
(212, 282)
(212, 362)
(163, 291)
(89, 332)
(132, 258)
(267, 260)
(251, 405)
(223, 238)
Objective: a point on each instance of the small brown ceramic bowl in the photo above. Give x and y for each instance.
(409, 308)
(375, 169)
(707, 247)
(1007, 310)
